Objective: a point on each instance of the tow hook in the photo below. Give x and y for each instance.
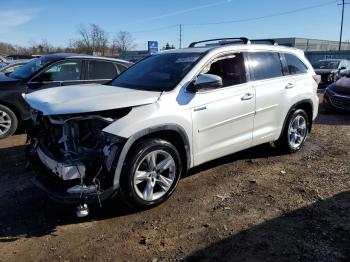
(82, 210)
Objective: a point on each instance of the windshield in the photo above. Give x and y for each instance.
(160, 72)
(32, 67)
(326, 65)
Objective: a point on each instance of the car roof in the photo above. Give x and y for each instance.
(59, 56)
(18, 61)
(235, 47)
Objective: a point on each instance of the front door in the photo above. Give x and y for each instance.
(67, 72)
(223, 118)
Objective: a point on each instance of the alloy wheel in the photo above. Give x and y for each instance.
(5, 122)
(297, 131)
(154, 175)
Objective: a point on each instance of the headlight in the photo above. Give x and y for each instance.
(112, 145)
(110, 139)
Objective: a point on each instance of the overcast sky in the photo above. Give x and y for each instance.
(25, 21)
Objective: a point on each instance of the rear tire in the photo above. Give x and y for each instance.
(151, 173)
(8, 122)
(295, 132)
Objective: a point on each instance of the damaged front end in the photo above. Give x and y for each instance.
(73, 157)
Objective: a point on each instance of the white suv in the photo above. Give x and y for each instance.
(166, 114)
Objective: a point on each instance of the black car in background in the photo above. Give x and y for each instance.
(337, 95)
(50, 71)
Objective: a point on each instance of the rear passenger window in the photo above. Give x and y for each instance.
(265, 65)
(101, 70)
(230, 68)
(295, 65)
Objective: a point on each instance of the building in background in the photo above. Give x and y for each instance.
(308, 45)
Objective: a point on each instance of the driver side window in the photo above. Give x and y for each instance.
(230, 68)
(62, 71)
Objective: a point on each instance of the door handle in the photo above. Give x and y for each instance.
(289, 86)
(247, 96)
(200, 108)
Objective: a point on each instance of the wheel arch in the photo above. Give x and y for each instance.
(307, 106)
(14, 109)
(171, 132)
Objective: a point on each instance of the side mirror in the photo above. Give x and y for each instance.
(205, 81)
(342, 68)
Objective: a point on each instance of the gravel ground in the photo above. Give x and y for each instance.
(256, 205)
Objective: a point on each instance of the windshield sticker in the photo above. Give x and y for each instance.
(187, 59)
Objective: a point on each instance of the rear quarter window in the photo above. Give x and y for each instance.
(295, 65)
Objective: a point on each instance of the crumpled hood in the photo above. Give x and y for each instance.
(87, 98)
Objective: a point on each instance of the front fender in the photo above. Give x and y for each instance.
(144, 120)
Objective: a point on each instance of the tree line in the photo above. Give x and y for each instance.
(92, 40)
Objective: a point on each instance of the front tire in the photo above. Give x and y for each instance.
(151, 173)
(8, 122)
(295, 132)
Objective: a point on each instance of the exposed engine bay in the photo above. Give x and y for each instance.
(73, 153)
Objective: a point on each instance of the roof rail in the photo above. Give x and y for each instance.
(271, 41)
(241, 39)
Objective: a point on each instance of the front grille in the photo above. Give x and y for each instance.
(341, 102)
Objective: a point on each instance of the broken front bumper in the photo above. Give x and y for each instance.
(62, 181)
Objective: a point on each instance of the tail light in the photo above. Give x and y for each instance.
(317, 78)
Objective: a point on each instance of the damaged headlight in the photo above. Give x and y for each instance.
(112, 145)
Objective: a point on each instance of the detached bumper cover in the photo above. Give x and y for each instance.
(72, 199)
(57, 189)
(63, 170)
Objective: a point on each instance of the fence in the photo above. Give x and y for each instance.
(315, 56)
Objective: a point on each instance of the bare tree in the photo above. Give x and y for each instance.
(84, 43)
(123, 42)
(93, 39)
(44, 47)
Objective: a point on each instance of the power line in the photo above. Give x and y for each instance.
(244, 19)
(155, 29)
(342, 23)
(265, 16)
(180, 44)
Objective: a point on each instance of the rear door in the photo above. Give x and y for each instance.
(100, 71)
(274, 90)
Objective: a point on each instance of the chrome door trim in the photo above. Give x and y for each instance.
(227, 121)
(266, 108)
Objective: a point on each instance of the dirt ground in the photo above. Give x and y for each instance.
(256, 205)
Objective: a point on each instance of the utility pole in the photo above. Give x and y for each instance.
(180, 36)
(342, 23)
